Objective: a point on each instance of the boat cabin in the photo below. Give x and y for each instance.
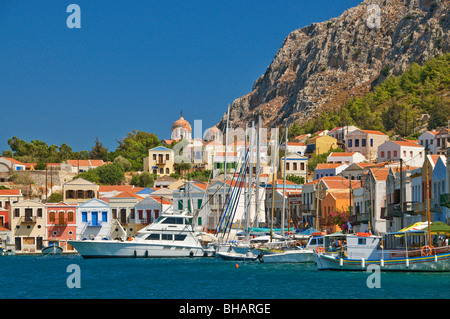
(362, 245)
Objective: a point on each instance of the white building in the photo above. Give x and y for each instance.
(345, 158)
(428, 141)
(412, 154)
(294, 147)
(340, 133)
(93, 220)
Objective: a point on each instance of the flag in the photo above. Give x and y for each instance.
(306, 225)
(349, 225)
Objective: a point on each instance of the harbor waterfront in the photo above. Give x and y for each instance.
(46, 277)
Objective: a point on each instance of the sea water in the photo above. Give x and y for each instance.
(47, 277)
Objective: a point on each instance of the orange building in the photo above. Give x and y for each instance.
(61, 224)
(333, 202)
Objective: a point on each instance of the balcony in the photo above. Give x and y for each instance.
(444, 200)
(397, 210)
(27, 219)
(94, 223)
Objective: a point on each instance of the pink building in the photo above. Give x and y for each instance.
(61, 224)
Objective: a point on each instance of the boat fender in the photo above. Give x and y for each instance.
(130, 238)
(407, 263)
(341, 262)
(382, 262)
(363, 263)
(435, 258)
(191, 254)
(205, 254)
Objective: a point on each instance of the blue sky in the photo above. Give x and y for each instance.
(134, 65)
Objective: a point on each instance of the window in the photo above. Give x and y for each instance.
(295, 166)
(180, 237)
(39, 212)
(404, 153)
(51, 216)
(361, 241)
(356, 142)
(70, 194)
(114, 213)
(363, 142)
(16, 212)
(166, 237)
(167, 157)
(161, 170)
(395, 153)
(70, 216)
(154, 157)
(410, 154)
(84, 217)
(80, 194)
(382, 153)
(153, 237)
(287, 167)
(167, 170)
(90, 194)
(104, 217)
(173, 220)
(371, 142)
(302, 166)
(349, 143)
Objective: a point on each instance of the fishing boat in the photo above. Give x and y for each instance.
(171, 235)
(53, 247)
(362, 250)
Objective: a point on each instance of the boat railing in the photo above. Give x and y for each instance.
(415, 252)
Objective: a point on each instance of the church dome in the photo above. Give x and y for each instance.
(181, 122)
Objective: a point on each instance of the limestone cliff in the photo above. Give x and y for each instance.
(321, 66)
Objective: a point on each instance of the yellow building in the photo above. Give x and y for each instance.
(160, 161)
(28, 223)
(320, 145)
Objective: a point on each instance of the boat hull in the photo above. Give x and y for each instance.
(434, 263)
(117, 249)
(236, 256)
(289, 256)
(52, 250)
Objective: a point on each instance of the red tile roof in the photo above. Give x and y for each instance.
(10, 192)
(373, 132)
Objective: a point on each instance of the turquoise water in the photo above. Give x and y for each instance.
(43, 277)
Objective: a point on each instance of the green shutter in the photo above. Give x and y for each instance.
(189, 206)
(180, 204)
(199, 203)
(199, 221)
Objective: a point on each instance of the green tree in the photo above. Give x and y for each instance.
(111, 174)
(98, 151)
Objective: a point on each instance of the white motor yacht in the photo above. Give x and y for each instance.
(171, 235)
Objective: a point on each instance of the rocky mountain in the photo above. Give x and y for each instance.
(322, 66)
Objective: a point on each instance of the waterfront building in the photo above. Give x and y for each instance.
(28, 223)
(365, 142)
(340, 133)
(193, 197)
(61, 223)
(294, 147)
(428, 141)
(345, 158)
(439, 187)
(149, 209)
(123, 210)
(442, 141)
(293, 191)
(9, 165)
(320, 144)
(334, 202)
(160, 161)
(296, 164)
(181, 129)
(4, 218)
(9, 197)
(410, 153)
(79, 191)
(328, 169)
(219, 193)
(79, 166)
(93, 220)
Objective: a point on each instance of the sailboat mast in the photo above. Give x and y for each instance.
(274, 171)
(250, 182)
(226, 151)
(428, 200)
(284, 181)
(257, 172)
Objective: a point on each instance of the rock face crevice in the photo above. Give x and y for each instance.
(323, 65)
